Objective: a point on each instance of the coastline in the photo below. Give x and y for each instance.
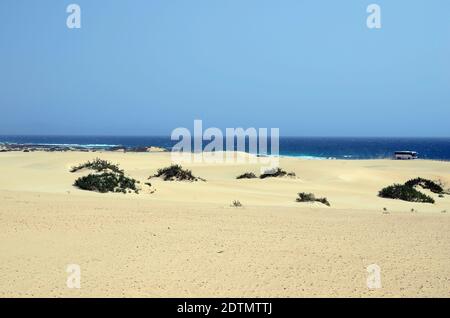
(36, 147)
(320, 148)
(7, 147)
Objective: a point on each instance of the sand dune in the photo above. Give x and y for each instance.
(186, 240)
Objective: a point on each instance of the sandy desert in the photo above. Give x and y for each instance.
(186, 240)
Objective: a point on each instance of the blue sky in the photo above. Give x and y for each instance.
(310, 68)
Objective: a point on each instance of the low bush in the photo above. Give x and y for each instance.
(108, 178)
(175, 173)
(97, 165)
(273, 173)
(247, 175)
(107, 182)
(426, 184)
(310, 197)
(404, 192)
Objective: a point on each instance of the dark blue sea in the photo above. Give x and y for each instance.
(306, 147)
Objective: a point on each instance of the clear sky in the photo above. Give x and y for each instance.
(145, 67)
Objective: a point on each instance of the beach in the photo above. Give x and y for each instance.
(186, 240)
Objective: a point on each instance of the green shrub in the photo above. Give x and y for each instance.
(426, 184)
(176, 172)
(97, 165)
(108, 178)
(247, 175)
(106, 182)
(310, 197)
(404, 192)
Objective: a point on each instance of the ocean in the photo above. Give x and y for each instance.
(305, 147)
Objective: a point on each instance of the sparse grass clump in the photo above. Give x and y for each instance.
(97, 165)
(236, 204)
(247, 175)
(404, 192)
(273, 173)
(108, 177)
(310, 197)
(175, 173)
(426, 184)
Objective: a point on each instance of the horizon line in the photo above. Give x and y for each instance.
(168, 136)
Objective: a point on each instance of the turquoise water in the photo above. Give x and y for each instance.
(306, 147)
